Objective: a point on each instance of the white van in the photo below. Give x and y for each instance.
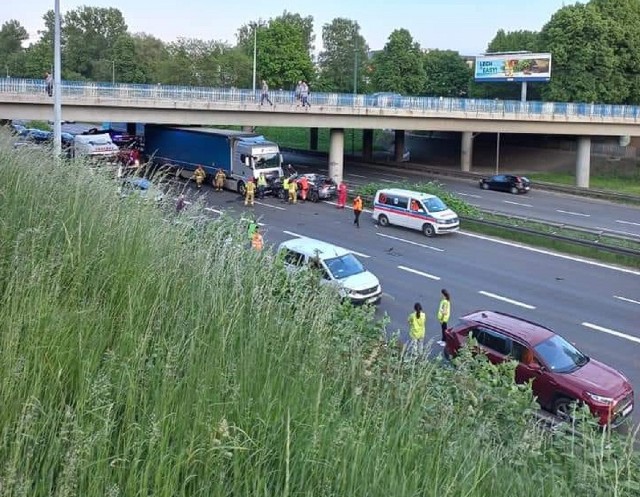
(338, 267)
(416, 210)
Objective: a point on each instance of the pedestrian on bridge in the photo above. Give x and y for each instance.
(265, 94)
(48, 83)
(304, 94)
(357, 210)
(342, 195)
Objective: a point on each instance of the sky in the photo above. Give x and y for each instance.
(466, 26)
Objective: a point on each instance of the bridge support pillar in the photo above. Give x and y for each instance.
(398, 146)
(367, 144)
(313, 139)
(583, 161)
(466, 151)
(131, 129)
(336, 154)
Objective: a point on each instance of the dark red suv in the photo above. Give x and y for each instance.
(561, 374)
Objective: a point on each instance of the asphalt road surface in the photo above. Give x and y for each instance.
(595, 305)
(538, 204)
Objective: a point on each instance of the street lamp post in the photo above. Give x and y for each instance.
(57, 87)
(255, 52)
(113, 72)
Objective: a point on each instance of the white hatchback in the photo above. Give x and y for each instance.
(337, 265)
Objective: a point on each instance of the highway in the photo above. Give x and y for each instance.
(538, 204)
(594, 305)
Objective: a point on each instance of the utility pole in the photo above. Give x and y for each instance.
(57, 86)
(113, 72)
(255, 52)
(355, 66)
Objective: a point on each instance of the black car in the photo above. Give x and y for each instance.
(506, 183)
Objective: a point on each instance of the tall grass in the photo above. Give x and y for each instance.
(141, 356)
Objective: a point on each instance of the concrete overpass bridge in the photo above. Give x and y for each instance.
(88, 101)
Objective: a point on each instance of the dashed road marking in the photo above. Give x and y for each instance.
(330, 202)
(506, 299)
(627, 222)
(472, 195)
(624, 299)
(356, 175)
(517, 203)
(571, 213)
(360, 254)
(269, 205)
(411, 242)
(211, 209)
(608, 331)
(419, 273)
(552, 254)
(387, 180)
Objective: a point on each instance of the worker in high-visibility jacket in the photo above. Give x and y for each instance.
(293, 191)
(444, 313)
(285, 188)
(250, 192)
(304, 188)
(199, 175)
(256, 241)
(262, 185)
(219, 178)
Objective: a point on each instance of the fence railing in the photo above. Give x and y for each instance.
(154, 93)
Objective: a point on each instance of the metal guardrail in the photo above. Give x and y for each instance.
(154, 93)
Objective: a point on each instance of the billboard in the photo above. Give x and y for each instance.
(513, 67)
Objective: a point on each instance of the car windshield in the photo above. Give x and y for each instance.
(267, 161)
(344, 266)
(435, 205)
(560, 356)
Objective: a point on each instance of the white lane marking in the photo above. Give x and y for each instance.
(356, 175)
(272, 206)
(419, 273)
(517, 203)
(468, 195)
(608, 331)
(571, 213)
(410, 242)
(387, 180)
(346, 206)
(211, 209)
(624, 299)
(627, 222)
(552, 254)
(303, 236)
(506, 299)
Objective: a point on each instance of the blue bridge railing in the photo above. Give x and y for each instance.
(141, 93)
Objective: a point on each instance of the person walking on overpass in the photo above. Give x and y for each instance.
(417, 326)
(298, 93)
(220, 179)
(199, 175)
(444, 313)
(304, 188)
(257, 242)
(262, 185)
(304, 94)
(250, 193)
(357, 210)
(342, 195)
(265, 93)
(293, 190)
(48, 83)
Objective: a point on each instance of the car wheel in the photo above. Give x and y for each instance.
(514, 190)
(314, 196)
(428, 229)
(563, 408)
(281, 194)
(383, 220)
(242, 188)
(484, 186)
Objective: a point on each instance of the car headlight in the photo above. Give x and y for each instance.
(601, 399)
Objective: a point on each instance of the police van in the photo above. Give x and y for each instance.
(415, 210)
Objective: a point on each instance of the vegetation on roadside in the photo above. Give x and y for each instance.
(43, 125)
(629, 183)
(141, 356)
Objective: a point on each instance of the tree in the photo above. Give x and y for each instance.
(12, 34)
(399, 66)
(344, 59)
(514, 41)
(90, 34)
(126, 67)
(38, 57)
(151, 53)
(446, 74)
(595, 51)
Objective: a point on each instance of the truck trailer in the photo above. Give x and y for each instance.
(241, 155)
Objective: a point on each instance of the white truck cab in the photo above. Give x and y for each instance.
(337, 266)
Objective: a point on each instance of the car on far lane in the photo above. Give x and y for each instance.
(560, 374)
(506, 183)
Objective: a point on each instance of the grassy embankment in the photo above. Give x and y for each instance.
(145, 357)
(627, 183)
(537, 239)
